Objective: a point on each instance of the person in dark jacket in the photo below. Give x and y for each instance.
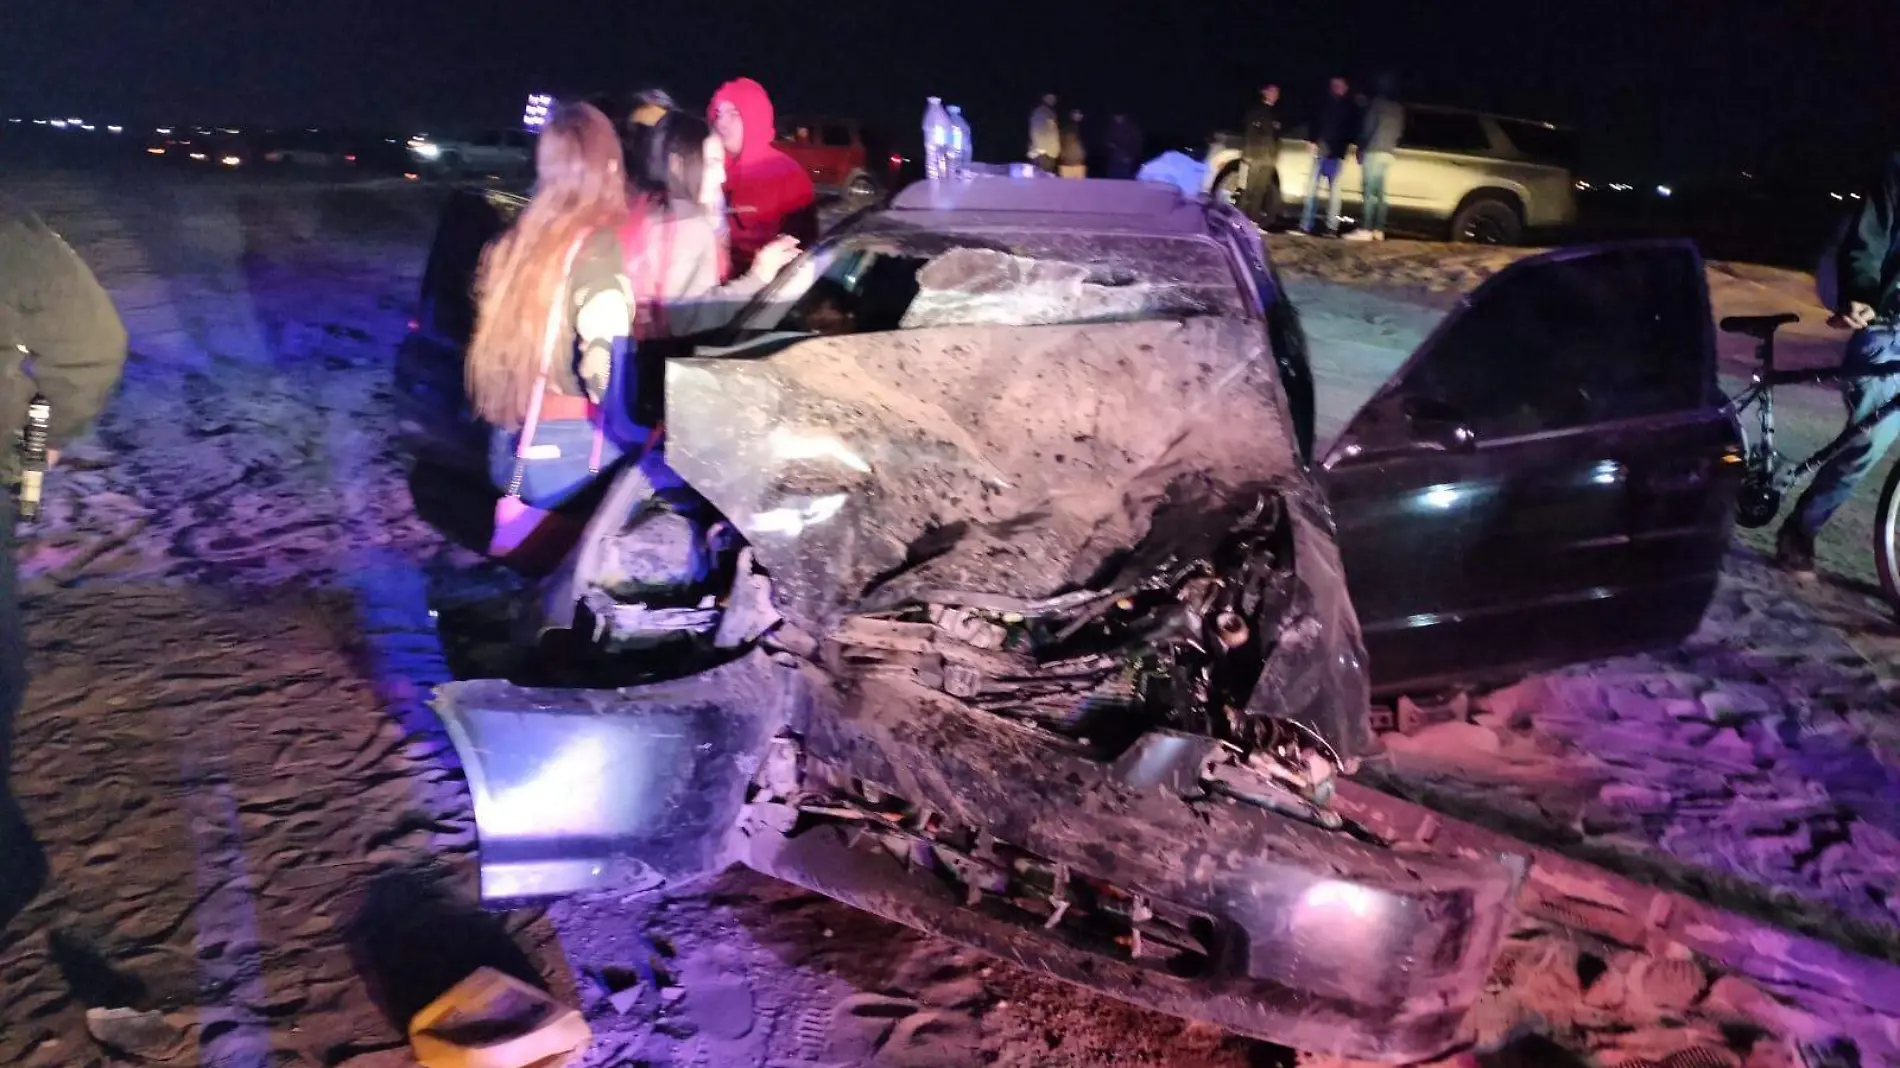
(767, 193)
(1260, 153)
(59, 337)
(1333, 135)
(1123, 147)
(1379, 136)
(1868, 269)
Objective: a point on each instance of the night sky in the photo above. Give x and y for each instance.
(1662, 89)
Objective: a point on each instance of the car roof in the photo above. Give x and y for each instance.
(1443, 109)
(1036, 203)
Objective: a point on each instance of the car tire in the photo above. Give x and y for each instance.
(1226, 187)
(860, 188)
(1487, 219)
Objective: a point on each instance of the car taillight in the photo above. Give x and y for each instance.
(351, 158)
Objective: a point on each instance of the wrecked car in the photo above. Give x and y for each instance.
(1036, 614)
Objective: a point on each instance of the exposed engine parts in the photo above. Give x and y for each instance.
(1180, 646)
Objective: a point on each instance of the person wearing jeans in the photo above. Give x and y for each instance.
(1379, 138)
(1868, 268)
(1332, 136)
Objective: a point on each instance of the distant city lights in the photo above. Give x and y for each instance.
(535, 115)
(1665, 191)
(231, 161)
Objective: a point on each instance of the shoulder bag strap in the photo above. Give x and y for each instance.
(549, 341)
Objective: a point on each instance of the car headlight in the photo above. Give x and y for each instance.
(425, 150)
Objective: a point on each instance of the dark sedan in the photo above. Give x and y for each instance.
(1042, 627)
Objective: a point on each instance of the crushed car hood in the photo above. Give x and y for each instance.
(1024, 462)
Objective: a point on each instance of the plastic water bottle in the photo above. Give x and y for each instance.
(960, 151)
(39, 417)
(937, 136)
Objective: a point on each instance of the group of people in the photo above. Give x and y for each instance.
(653, 228)
(1368, 129)
(1058, 145)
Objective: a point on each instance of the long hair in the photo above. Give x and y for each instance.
(579, 188)
(672, 164)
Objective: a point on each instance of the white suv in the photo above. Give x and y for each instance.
(499, 152)
(1462, 174)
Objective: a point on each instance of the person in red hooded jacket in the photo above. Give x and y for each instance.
(767, 192)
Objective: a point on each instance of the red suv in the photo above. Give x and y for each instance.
(841, 156)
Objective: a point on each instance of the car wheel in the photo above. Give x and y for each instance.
(1487, 219)
(1226, 188)
(860, 187)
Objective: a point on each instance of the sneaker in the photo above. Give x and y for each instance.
(1362, 235)
(1794, 550)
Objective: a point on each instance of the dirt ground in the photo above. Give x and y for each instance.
(260, 844)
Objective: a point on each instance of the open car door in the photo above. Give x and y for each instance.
(1550, 478)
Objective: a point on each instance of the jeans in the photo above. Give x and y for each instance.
(1326, 170)
(549, 481)
(1834, 483)
(1377, 165)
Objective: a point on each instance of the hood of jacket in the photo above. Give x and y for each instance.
(755, 108)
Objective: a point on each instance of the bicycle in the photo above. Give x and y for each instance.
(1768, 475)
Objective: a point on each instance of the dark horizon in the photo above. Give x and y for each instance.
(1697, 90)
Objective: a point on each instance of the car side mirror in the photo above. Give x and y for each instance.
(1435, 424)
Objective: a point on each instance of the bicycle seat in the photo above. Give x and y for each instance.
(1758, 326)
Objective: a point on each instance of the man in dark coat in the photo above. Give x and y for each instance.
(60, 337)
(1333, 136)
(1260, 152)
(1867, 275)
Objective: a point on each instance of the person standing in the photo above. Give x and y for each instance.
(1332, 137)
(1045, 135)
(60, 337)
(1123, 145)
(553, 316)
(1379, 136)
(1075, 155)
(1260, 156)
(1867, 266)
(767, 193)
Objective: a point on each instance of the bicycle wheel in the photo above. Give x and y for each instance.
(1887, 538)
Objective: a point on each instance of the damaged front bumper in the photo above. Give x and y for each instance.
(1123, 872)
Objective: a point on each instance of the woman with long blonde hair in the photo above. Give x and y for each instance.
(554, 314)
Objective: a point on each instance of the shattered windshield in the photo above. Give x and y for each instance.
(920, 279)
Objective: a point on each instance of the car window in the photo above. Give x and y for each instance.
(1557, 344)
(923, 279)
(835, 136)
(1541, 142)
(1444, 131)
(486, 140)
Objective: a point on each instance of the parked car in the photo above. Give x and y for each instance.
(842, 157)
(498, 152)
(1041, 628)
(312, 148)
(1464, 175)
